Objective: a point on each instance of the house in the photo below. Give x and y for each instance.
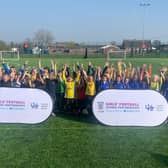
(108, 48)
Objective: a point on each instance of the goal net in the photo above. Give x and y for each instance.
(116, 55)
(9, 55)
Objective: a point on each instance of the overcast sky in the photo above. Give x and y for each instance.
(84, 20)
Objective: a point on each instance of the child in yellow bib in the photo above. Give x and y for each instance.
(70, 91)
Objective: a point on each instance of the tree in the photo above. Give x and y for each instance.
(3, 45)
(43, 38)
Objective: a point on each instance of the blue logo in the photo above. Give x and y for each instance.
(149, 107)
(34, 105)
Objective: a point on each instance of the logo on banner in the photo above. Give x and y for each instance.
(100, 106)
(149, 107)
(34, 105)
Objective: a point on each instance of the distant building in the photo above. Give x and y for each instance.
(136, 44)
(108, 48)
(164, 47)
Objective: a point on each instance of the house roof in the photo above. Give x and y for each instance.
(109, 46)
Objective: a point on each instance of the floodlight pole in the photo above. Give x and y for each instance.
(144, 6)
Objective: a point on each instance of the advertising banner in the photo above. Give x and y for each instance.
(130, 108)
(21, 105)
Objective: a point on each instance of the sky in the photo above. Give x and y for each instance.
(89, 21)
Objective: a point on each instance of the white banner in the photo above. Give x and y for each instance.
(20, 105)
(130, 108)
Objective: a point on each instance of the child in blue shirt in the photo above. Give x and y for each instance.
(118, 84)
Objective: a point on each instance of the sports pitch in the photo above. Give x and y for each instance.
(81, 142)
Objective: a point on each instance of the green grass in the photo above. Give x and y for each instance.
(73, 142)
(156, 62)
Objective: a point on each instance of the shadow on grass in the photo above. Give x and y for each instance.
(79, 118)
(163, 159)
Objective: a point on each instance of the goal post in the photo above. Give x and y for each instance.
(9, 56)
(116, 55)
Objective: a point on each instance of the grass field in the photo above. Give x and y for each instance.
(156, 62)
(73, 142)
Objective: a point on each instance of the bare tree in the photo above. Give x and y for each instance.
(43, 37)
(3, 45)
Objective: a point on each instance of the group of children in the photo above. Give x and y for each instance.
(73, 89)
